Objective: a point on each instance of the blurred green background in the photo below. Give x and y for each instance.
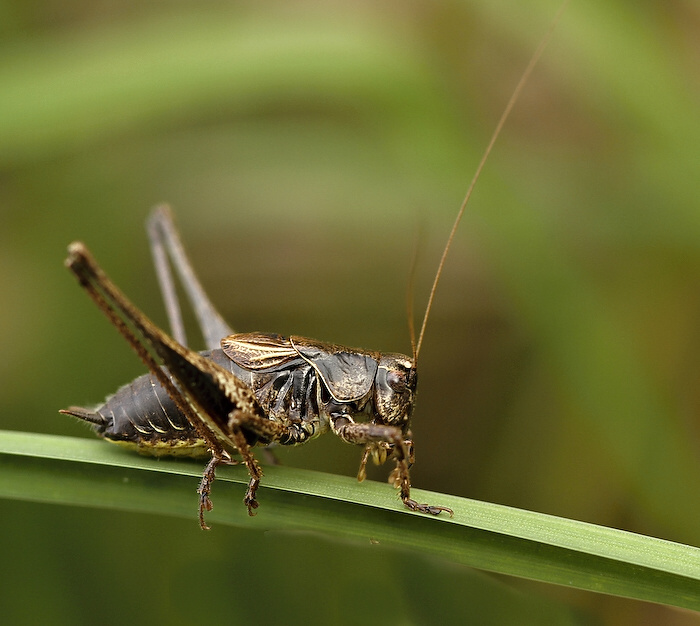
(306, 147)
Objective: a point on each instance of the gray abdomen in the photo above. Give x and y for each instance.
(142, 413)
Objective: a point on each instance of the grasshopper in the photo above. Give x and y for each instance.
(254, 389)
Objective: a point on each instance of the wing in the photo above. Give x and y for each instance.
(347, 373)
(259, 351)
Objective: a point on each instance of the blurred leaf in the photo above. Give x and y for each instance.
(79, 88)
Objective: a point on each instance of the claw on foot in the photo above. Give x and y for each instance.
(252, 505)
(249, 499)
(204, 505)
(427, 508)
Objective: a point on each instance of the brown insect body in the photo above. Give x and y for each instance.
(306, 384)
(255, 388)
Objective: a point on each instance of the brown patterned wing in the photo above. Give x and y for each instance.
(259, 351)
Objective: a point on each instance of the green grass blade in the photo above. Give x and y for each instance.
(495, 538)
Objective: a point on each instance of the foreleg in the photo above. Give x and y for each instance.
(369, 434)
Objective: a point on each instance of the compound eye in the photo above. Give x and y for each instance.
(396, 380)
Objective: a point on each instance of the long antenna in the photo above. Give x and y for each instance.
(504, 116)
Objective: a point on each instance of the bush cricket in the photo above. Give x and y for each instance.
(254, 389)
